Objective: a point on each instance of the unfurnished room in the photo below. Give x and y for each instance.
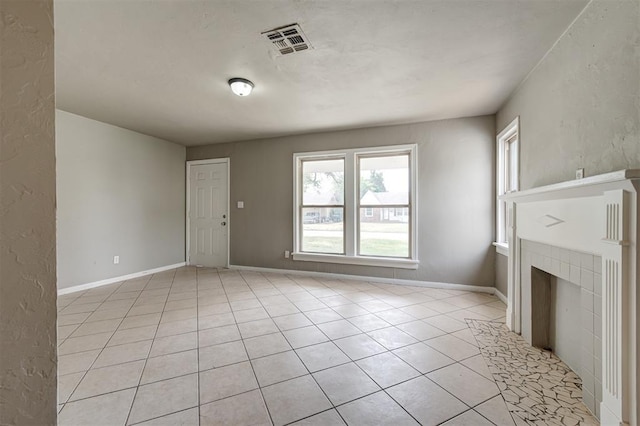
(319, 212)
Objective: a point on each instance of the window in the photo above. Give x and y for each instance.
(507, 175)
(356, 206)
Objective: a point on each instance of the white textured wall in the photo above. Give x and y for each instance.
(581, 106)
(119, 193)
(27, 215)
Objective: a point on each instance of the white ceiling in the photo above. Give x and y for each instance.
(161, 67)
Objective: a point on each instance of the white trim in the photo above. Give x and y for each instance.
(500, 296)
(384, 262)
(502, 248)
(513, 128)
(100, 283)
(187, 238)
(429, 284)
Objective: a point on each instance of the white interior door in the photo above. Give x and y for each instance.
(208, 214)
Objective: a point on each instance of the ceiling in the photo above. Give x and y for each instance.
(161, 67)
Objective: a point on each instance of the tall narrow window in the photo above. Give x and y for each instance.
(356, 206)
(507, 176)
(384, 187)
(322, 208)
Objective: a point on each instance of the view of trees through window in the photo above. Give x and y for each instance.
(383, 197)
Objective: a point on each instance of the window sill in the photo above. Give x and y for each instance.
(502, 248)
(357, 260)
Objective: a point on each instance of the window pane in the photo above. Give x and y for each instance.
(323, 230)
(384, 180)
(385, 233)
(323, 182)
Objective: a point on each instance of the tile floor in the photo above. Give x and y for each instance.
(200, 346)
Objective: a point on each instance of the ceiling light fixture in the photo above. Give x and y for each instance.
(241, 86)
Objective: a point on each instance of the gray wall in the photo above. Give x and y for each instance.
(502, 273)
(580, 107)
(27, 209)
(119, 193)
(456, 197)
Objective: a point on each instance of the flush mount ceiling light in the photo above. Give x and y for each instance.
(241, 86)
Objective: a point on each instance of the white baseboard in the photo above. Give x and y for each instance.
(430, 284)
(500, 296)
(95, 284)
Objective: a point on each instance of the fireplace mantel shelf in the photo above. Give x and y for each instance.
(611, 177)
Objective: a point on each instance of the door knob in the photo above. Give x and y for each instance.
(223, 223)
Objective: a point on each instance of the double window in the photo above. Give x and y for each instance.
(356, 206)
(507, 175)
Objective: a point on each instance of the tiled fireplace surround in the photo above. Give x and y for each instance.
(584, 229)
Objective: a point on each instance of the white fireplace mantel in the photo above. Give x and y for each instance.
(597, 215)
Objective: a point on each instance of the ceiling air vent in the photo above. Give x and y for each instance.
(287, 39)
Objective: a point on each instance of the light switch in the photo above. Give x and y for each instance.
(241, 204)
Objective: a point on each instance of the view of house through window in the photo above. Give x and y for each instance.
(355, 203)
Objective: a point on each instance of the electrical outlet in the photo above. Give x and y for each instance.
(116, 260)
(579, 173)
(241, 204)
(286, 254)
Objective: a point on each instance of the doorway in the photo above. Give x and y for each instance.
(208, 213)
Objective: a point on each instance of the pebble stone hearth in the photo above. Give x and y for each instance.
(536, 385)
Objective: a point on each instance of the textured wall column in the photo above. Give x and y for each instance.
(27, 214)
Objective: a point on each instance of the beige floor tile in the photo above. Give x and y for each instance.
(107, 315)
(440, 306)
(466, 335)
(477, 364)
(321, 356)
(65, 331)
(326, 418)
(426, 401)
(250, 315)
(146, 309)
(464, 314)
(453, 347)
(240, 305)
(420, 330)
(108, 379)
(111, 409)
(488, 311)
(177, 327)
(84, 343)
(289, 322)
(350, 310)
(187, 417)
(294, 400)
(373, 305)
(422, 357)
(496, 411)
(359, 346)
(282, 309)
(226, 381)
(76, 362)
(217, 320)
(169, 366)
(244, 409)
(469, 418)
(387, 369)
(465, 384)
(67, 384)
(179, 315)
(345, 383)
(70, 319)
(174, 305)
(305, 336)
(368, 322)
(369, 411)
(268, 344)
(171, 344)
(323, 315)
(339, 329)
(221, 355)
(446, 323)
(74, 308)
(419, 311)
(277, 368)
(133, 335)
(123, 353)
(217, 335)
(395, 316)
(391, 337)
(257, 328)
(271, 298)
(164, 397)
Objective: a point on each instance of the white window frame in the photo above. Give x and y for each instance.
(507, 134)
(368, 212)
(351, 212)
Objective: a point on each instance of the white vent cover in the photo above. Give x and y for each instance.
(287, 39)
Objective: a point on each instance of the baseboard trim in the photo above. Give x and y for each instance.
(429, 284)
(100, 283)
(500, 296)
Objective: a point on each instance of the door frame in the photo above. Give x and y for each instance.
(227, 161)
